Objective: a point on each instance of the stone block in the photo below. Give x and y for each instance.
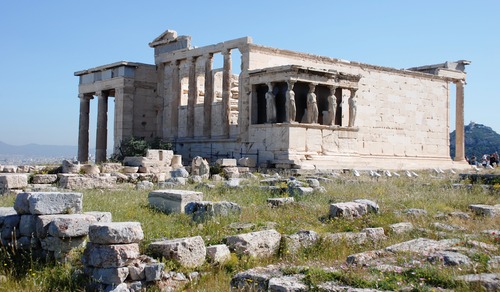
(153, 271)
(45, 203)
(91, 169)
(179, 172)
(100, 216)
(218, 254)
(371, 205)
(28, 243)
(10, 227)
(44, 178)
(226, 162)
(111, 167)
(204, 210)
(200, 166)
(80, 182)
(256, 244)
(301, 239)
(62, 245)
(116, 232)
(401, 227)
(109, 256)
(278, 202)
(136, 271)
(27, 225)
(256, 279)
(13, 180)
(376, 233)
(247, 162)
(6, 211)
(173, 201)
(300, 191)
(42, 223)
(9, 169)
(348, 210)
(231, 172)
(189, 252)
(109, 275)
(70, 167)
(485, 210)
(70, 225)
(287, 283)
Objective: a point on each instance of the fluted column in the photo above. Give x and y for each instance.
(83, 128)
(226, 92)
(459, 122)
(176, 98)
(102, 127)
(192, 96)
(209, 96)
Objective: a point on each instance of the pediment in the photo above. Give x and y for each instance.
(167, 37)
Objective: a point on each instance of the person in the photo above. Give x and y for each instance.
(473, 160)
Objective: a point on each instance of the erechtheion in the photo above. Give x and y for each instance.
(286, 109)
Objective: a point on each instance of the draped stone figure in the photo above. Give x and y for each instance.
(332, 105)
(270, 104)
(291, 110)
(312, 105)
(352, 108)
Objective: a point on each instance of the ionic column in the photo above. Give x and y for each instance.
(459, 122)
(83, 128)
(209, 96)
(102, 127)
(175, 101)
(192, 95)
(226, 92)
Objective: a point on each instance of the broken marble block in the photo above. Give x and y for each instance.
(189, 252)
(109, 256)
(218, 254)
(13, 180)
(173, 201)
(46, 203)
(255, 244)
(70, 225)
(204, 210)
(116, 232)
(348, 210)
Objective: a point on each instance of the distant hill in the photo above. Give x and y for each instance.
(479, 140)
(36, 150)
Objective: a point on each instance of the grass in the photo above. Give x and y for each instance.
(307, 213)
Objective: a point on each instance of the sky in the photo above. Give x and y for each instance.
(44, 42)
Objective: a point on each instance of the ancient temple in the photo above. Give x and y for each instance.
(285, 109)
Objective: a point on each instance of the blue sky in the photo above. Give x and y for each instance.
(44, 42)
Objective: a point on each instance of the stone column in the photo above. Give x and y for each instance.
(209, 96)
(102, 127)
(83, 131)
(124, 115)
(245, 93)
(226, 92)
(290, 107)
(176, 99)
(192, 96)
(459, 122)
(344, 107)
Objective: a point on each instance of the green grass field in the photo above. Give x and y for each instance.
(19, 273)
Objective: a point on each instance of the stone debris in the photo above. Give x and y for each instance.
(301, 239)
(40, 203)
(287, 283)
(173, 201)
(204, 210)
(44, 178)
(278, 202)
(450, 258)
(256, 279)
(485, 210)
(218, 254)
(12, 181)
(200, 167)
(348, 210)
(402, 227)
(189, 252)
(116, 232)
(488, 282)
(75, 181)
(256, 244)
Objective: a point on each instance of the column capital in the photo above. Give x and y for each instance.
(226, 52)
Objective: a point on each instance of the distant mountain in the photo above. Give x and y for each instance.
(36, 150)
(479, 140)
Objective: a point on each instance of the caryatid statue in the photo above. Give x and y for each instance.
(270, 104)
(332, 105)
(352, 108)
(312, 105)
(291, 110)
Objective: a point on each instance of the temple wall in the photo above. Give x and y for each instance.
(399, 113)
